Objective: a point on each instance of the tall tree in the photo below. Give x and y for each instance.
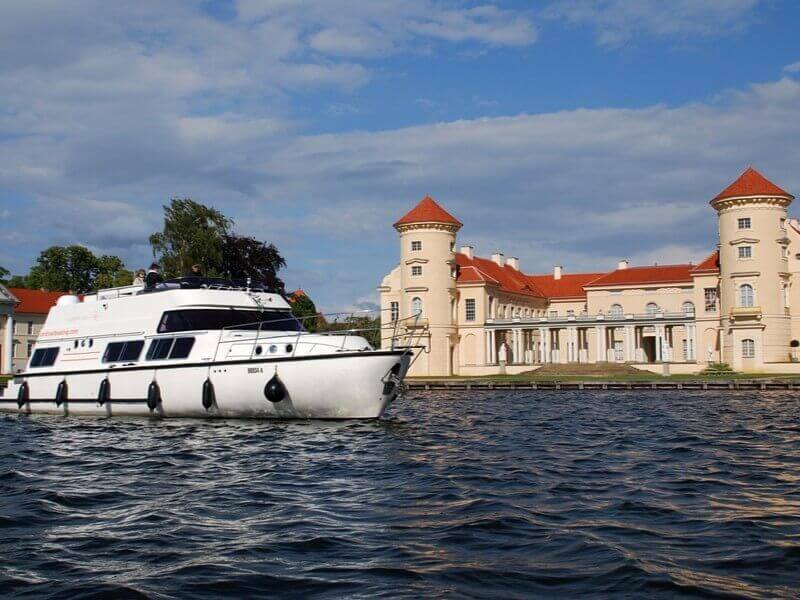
(192, 234)
(4, 273)
(74, 268)
(244, 257)
(67, 268)
(304, 309)
(111, 272)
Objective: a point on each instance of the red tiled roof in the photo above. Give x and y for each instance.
(751, 183)
(710, 264)
(645, 275)
(35, 302)
(569, 286)
(428, 211)
(473, 270)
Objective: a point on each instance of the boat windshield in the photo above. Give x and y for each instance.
(204, 319)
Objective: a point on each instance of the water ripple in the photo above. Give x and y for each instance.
(482, 495)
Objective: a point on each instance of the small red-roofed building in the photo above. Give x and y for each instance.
(474, 315)
(26, 311)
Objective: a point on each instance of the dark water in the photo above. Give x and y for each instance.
(495, 495)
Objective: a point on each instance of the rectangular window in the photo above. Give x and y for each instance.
(30, 327)
(745, 252)
(394, 310)
(744, 223)
(205, 319)
(570, 313)
(710, 295)
(30, 348)
(685, 349)
(19, 328)
(44, 357)
(748, 349)
(416, 246)
(182, 347)
(553, 314)
(785, 252)
(123, 351)
(15, 350)
(170, 348)
(469, 305)
(416, 270)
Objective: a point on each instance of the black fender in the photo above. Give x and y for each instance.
(153, 395)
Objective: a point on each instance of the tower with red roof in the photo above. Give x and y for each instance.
(426, 293)
(754, 271)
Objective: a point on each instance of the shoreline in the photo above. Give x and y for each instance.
(426, 384)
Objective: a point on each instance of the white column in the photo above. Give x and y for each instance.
(486, 348)
(659, 343)
(518, 346)
(628, 343)
(600, 331)
(545, 344)
(8, 347)
(493, 345)
(693, 343)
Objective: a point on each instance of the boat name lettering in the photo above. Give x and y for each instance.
(251, 370)
(58, 332)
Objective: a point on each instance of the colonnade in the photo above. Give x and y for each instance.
(571, 344)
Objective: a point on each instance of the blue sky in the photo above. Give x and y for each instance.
(575, 132)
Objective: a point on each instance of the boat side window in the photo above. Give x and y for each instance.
(170, 348)
(123, 351)
(205, 319)
(182, 347)
(44, 357)
(159, 349)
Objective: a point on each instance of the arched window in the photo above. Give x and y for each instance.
(746, 295)
(748, 348)
(688, 308)
(416, 307)
(615, 310)
(651, 308)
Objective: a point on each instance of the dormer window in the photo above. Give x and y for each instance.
(416, 246)
(744, 223)
(745, 252)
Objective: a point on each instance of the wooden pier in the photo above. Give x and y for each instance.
(723, 384)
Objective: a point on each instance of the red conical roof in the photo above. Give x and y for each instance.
(751, 183)
(428, 211)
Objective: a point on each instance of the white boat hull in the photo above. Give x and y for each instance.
(350, 385)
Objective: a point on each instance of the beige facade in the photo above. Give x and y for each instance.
(22, 315)
(471, 315)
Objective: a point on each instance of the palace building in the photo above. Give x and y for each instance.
(477, 316)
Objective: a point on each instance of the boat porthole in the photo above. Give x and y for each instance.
(289, 348)
(259, 350)
(76, 343)
(273, 349)
(91, 343)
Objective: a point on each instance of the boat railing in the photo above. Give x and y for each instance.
(341, 328)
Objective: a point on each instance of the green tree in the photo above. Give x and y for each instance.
(111, 272)
(67, 268)
(304, 309)
(366, 326)
(4, 273)
(74, 268)
(244, 257)
(18, 281)
(192, 234)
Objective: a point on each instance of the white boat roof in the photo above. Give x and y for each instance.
(130, 310)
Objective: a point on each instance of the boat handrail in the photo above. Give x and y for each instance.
(404, 333)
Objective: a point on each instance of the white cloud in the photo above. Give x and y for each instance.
(616, 21)
(792, 68)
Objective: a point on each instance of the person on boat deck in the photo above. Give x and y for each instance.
(139, 277)
(153, 277)
(195, 271)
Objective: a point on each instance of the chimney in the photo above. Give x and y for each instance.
(498, 258)
(621, 265)
(466, 251)
(556, 272)
(513, 262)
